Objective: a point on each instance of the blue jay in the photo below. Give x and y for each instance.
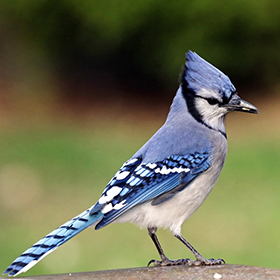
(165, 181)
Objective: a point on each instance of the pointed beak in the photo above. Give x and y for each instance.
(238, 104)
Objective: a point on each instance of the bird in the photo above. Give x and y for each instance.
(170, 176)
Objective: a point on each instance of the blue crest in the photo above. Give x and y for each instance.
(200, 74)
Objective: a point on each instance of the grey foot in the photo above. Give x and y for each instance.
(168, 262)
(188, 262)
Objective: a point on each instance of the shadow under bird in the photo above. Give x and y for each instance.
(165, 181)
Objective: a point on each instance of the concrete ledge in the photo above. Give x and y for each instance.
(227, 272)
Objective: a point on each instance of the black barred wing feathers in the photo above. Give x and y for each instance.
(137, 182)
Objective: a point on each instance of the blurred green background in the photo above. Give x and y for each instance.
(83, 84)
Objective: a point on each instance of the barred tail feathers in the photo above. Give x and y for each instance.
(52, 241)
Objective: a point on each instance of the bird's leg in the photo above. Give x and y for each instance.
(164, 260)
(200, 260)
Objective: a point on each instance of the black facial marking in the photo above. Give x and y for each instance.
(190, 96)
(212, 101)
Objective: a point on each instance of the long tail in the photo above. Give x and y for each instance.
(52, 241)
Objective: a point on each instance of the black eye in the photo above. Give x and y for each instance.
(212, 101)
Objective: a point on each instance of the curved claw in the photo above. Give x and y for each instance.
(219, 261)
(151, 261)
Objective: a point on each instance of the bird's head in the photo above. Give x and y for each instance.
(209, 93)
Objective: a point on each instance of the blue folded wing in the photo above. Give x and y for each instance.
(137, 182)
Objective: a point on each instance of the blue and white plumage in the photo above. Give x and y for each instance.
(165, 182)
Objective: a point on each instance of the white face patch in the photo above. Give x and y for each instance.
(212, 115)
(122, 175)
(109, 195)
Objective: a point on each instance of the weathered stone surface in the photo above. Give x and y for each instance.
(227, 272)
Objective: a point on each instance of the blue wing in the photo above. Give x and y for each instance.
(137, 182)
